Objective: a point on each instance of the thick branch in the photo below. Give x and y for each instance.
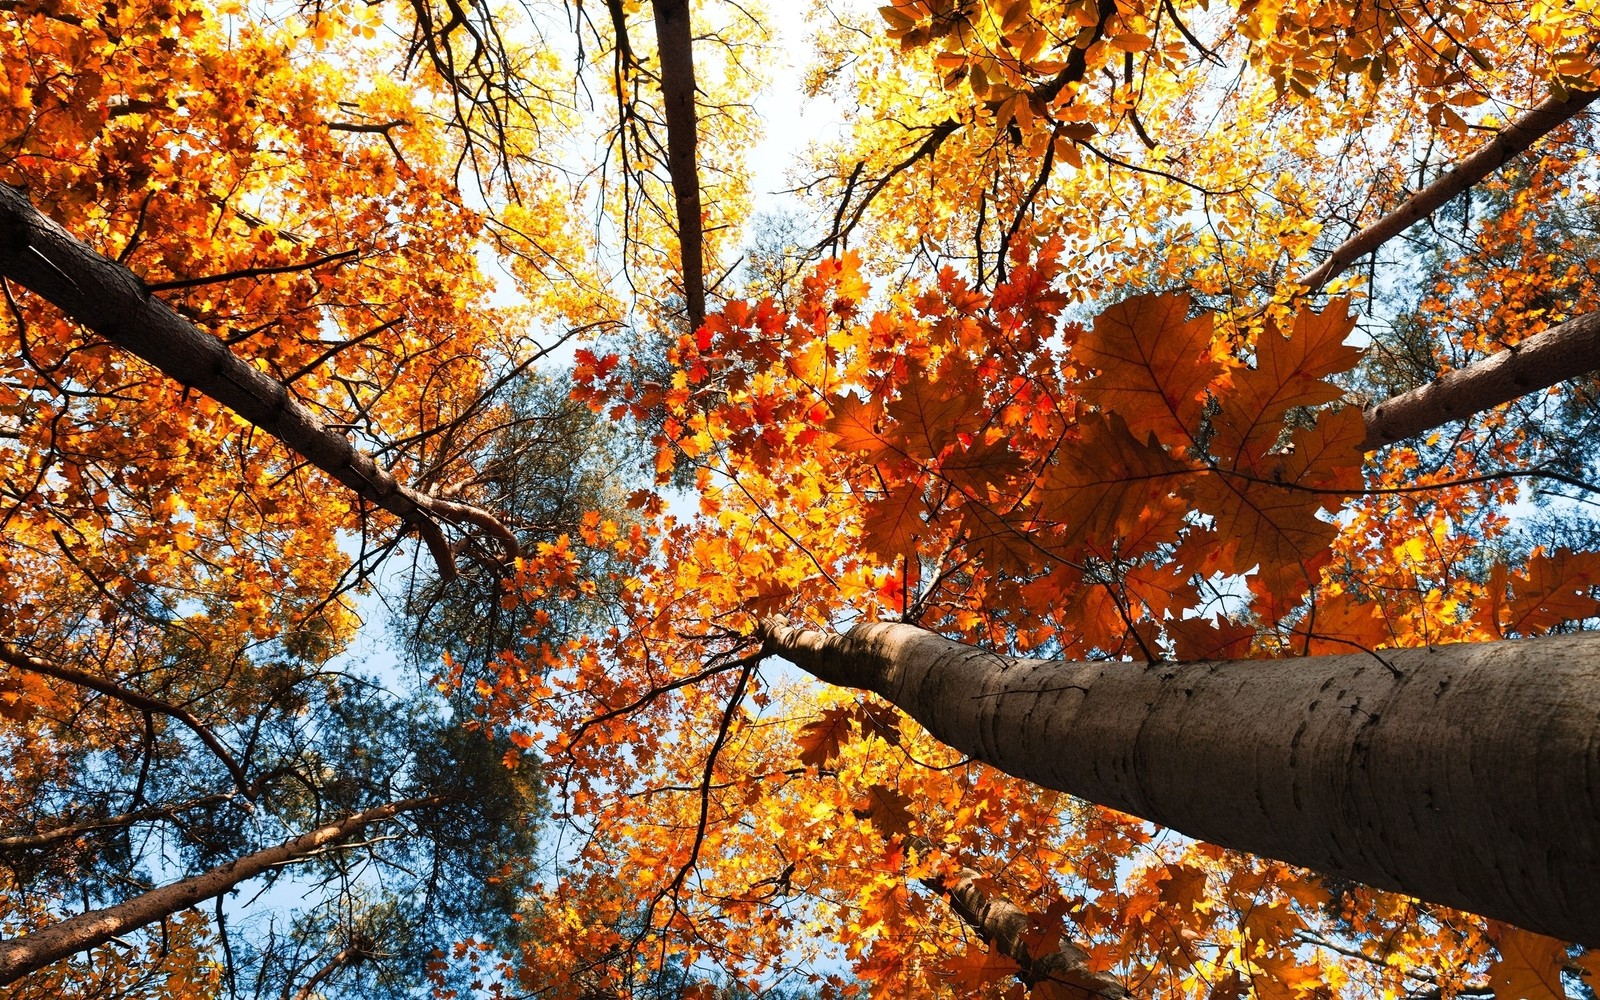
(1511, 140)
(112, 301)
(674, 42)
(1564, 351)
(1464, 775)
(1004, 927)
(29, 953)
(14, 657)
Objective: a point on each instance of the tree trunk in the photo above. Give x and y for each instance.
(1516, 137)
(675, 43)
(1466, 775)
(112, 301)
(31, 952)
(1564, 351)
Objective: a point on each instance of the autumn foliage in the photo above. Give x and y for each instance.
(1048, 380)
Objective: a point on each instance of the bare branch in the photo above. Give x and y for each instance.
(14, 657)
(28, 953)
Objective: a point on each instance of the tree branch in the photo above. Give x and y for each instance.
(20, 956)
(45, 838)
(1564, 351)
(1004, 927)
(1513, 139)
(113, 302)
(14, 657)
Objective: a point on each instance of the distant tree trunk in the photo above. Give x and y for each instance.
(31, 952)
(675, 43)
(1466, 775)
(1564, 351)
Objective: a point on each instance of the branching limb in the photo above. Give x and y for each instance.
(14, 657)
(28, 953)
(112, 301)
(1512, 140)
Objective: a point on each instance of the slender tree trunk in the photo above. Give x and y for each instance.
(1512, 140)
(1465, 775)
(1564, 351)
(112, 301)
(31, 952)
(675, 43)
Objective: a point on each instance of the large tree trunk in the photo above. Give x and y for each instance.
(1466, 775)
(31, 952)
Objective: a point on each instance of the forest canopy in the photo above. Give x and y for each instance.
(1118, 523)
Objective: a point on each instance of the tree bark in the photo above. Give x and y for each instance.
(1004, 926)
(1465, 775)
(112, 301)
(1564, 351)
(31, 952)
(675, 44)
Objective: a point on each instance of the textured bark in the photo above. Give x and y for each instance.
(675, 44)
(1003, 926)
(1465, 775)
(1564, 351)
(1511, 140)
(112, 301)
(13, 657)
(29, 953)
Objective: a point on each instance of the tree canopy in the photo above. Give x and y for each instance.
(1119, 525)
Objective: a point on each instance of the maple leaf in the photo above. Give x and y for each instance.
(893, 523)
(1272, 519)
(977, 968)
(1340, 623)
(1155, 365)
(1000, 543)
(856, 425)
(1558, 587)
(1529, 965)
(821, 739)
(1289, 372)
(928, 416)
(1218, 639)
(1102, 485)
(886, 809)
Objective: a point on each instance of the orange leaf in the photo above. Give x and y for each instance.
(1155, 365)
(1558, 587)
(1289, 372)
(886, 809)
(1101, 486)
(1529, 966)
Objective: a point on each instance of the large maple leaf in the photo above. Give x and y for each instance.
(1271, 514)
(1289, 372)
(1155, 365)
(1103, 485)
